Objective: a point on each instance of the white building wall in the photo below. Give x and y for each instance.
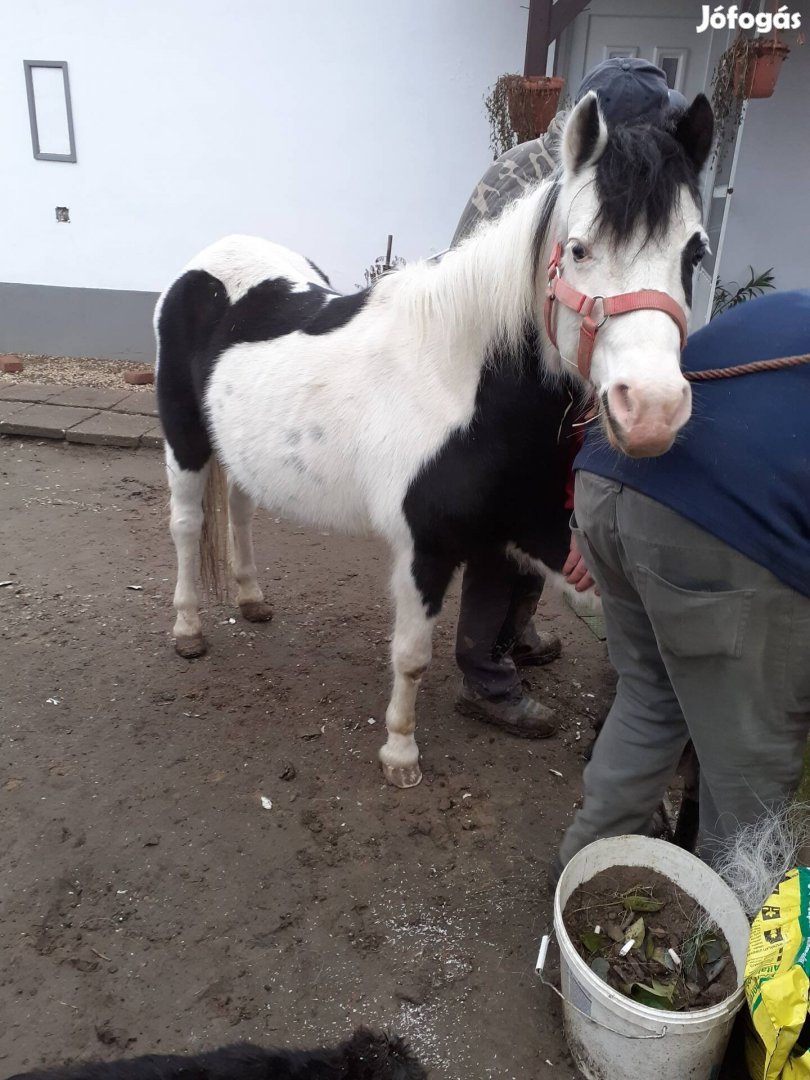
(768, 221)
(322, 124)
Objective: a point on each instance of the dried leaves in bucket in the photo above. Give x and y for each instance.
(645, 937)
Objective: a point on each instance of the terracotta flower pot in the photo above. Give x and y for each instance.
(533, 101)
(757, 78)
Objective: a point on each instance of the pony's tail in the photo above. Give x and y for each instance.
(215, 532)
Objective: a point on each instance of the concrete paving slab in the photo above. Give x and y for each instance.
(8, 408)
(90, 397)
(143, 403)
(153, 438)
(44, 421)
(31, 391)
(111, 429)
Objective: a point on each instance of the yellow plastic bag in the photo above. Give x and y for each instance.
(777, 983)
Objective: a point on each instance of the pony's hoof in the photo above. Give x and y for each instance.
(402, 776)
(191, 647)
(256, 611)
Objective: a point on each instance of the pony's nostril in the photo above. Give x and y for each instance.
(620, 399)
(684, 408)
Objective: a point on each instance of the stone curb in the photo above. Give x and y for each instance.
(88, 397)
(36, 393)
(9, 408)
(142, 404)
(108, 418)
(111, 429)
(44, 421)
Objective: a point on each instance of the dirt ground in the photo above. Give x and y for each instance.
(150, 902)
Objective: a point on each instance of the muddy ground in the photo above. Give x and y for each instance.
(149, 902)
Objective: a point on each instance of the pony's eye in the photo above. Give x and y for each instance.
(578, 251)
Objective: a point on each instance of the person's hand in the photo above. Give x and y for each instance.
(575, 571)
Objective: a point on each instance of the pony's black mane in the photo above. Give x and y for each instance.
(544, 219)
(639, 178)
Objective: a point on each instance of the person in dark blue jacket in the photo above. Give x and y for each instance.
(702, 557)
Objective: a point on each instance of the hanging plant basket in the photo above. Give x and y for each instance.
(757, 68)
(533, 101)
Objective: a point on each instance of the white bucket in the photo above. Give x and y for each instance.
(610, 1036)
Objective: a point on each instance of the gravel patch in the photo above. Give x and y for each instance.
(76, 371)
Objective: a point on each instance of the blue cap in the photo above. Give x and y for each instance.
(631, 89)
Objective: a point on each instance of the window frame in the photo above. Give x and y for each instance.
(39, 154)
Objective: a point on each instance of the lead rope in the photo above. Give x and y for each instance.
(747, 369)
(711, 373)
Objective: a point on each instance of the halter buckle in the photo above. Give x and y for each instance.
(554, 263)
(559, 291)
(605, 315)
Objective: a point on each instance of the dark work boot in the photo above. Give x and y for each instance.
(516, 712)
(536, 648)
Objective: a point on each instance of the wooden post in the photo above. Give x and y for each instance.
(538, 37)
(563, 13)
(547, 20)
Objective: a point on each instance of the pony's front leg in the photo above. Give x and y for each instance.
(411, 650)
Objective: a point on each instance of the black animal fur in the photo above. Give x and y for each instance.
(367, 1055)
(639, 178)
(643, 168)
(501, 479)
(197, 323)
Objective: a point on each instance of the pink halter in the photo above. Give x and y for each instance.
(644, 299)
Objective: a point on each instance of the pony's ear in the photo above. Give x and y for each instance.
(695, 131)
(585, 135)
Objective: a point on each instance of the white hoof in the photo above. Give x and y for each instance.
(402, 776)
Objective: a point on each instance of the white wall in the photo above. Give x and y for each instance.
(768, 222)
(322, 124)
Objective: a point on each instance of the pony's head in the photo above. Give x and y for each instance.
(628, 238)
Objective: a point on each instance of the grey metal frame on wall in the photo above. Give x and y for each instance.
(32, 109)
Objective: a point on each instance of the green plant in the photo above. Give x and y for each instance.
(727, 297)
(520, 108)
(727, 101)
(502, 136)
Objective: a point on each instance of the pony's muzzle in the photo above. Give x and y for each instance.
(644, 422)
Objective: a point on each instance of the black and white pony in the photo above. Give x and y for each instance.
(431, 408)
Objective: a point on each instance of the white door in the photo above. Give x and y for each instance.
(662, 31)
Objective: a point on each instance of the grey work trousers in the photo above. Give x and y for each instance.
(707, 645)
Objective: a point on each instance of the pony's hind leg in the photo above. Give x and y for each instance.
(249, 596)
(187, 487)
(411, 651)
